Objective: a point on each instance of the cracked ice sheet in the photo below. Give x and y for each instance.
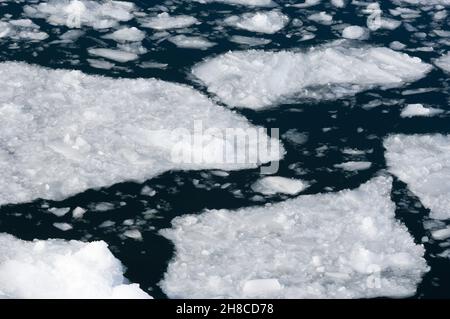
(57, 268)
(64, 132)
(423, 162)
(341, 245)
(256, 79)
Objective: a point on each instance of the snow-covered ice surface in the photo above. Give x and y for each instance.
(419, 110)
(277, 184)
(423, 162)
(263, 22)
(77, 132)
(316, 246)
(257, 79)
(55, 268)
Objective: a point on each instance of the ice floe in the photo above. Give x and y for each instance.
(354, 32)
(127, 35)
(164, 21)
(101, 14)
(321, 17)
(412, 110)
(256, 79)
(271, 185)
(443, 62)
(423, 163)
(56, 268)
(250, 3)
(68, 132)
(263, 22)
(342, 245)
(191, 42)
(21, 29)
(113, 54)
(354, 166)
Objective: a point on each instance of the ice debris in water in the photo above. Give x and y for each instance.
(354, 32)
(271, 185)
(341, 245)
(77, 131)
(250, 3)
(57, 268)
(132, 34)
(423, 163)
(191, 42)
(412, 110)
(164, 21)
(101, 14)
(263, 22)
(113, 54)
(443, 62)
(354, 166)
(22, 29)
(256, 79)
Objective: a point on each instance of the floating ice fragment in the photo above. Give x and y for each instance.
(164, 21)
(443, 62)
(419, 110)
(354, 166)
(264, 22)
(354, 32)
(113, 54)
(191, 42)
(271, 185)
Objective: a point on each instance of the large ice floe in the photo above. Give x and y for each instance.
(263, 22)
(256, 79)
(423, 163)
(338, 245)
(77, 13)
(57, 268)
(67, 132)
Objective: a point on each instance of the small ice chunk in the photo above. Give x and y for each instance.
(338, 3)
(443, 62)
(396, 45)
(78, 212)
(423, 163)
(250, 3)
(441, 234)
(354, 32)
(59, 211)
(63, 226)
(261, 287)
(411, 110)
(191, 42)
(249, 41)
(264, 22)
(164, 21)
(354, 166)
(271, 185)
(100, 64)
(132, 34)
(113, 54)
(56, 268)
(133, 234)
(321, 17)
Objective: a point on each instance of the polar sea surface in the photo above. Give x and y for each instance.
(91, 199)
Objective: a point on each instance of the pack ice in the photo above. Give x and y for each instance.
(56, 268)
(340, 245)
(256, 79)
(63, 132)
(423, 163)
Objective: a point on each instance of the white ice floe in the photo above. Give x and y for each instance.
(114, 54)
(306, 4)
(63, 226)
(342, 245)
(354, 166)
(441, 234)
(132, 34)
(67, 132)
(256, 79)
(56, 268)
(250, 3)
(191, 42)
(271, 185)
(376, 21)
(164, 21)
(423, 163)
(249, 41)
(412, 110)
(101, 14)
(443, 62)
(22, 29)
(338, 3)
(354, 32)
(321, 17)
(263, 22)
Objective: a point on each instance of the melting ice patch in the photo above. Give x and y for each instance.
(56, 268)
(423, 162)
(341, 245)
(263, 22)
(257, 79)
(68, 132)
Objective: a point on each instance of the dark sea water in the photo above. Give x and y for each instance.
(352, 126)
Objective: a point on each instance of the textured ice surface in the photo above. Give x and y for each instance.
(444, 62)
(22, 29)
(114, 54)
(263, 22)
(341, 245)
(354, 166)
(132, 34)
(249, 41)
(56, 268)
(164, 21)
(183, 41)
(77, 13)
(257, 79)
(69, 132)
(423, 162)
(276, 184)
(321, 17)
(419, 110)
(354, 32)
(250, 3)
